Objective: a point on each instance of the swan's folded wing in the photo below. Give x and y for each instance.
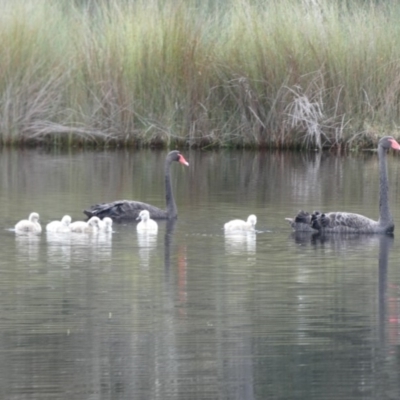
(347, 222)
(124, 210)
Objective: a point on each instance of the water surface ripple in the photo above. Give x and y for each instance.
(190, 313)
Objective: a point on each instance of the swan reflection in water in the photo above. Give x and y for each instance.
(378, 246)
(147, 242)
(59, 248)
(97, 244)
(342, 242)
(240, 242)
(64, 248)
(27, 246)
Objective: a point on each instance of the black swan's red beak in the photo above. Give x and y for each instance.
(395, 145)
(184, 162)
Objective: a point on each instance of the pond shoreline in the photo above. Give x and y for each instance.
(90, 143)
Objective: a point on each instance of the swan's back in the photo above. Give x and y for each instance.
(29, 225)
(85, 227)
(124, 210)
(348, 223)
(337, 222)
(78, 226)
(59, 226)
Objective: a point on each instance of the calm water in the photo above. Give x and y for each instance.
(188, 313)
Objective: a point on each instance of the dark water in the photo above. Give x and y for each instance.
(188, 313)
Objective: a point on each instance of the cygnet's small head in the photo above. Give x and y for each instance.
(66, 220)
(108, 221)
(252, 220)
(34, 217)
(144, 215)
(94, 222)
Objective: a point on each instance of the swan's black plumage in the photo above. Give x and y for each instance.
(129, 209)
(349, 222)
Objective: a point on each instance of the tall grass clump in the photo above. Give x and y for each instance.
(282, 73)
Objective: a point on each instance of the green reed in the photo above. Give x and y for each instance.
(283, 73)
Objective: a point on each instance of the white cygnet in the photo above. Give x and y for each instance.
(146, 224)
(238, 225)
(29, 225)
(85, 227)
(106, 224)
(59, 226)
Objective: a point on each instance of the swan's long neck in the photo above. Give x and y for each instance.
(384, 213)
(169, 197)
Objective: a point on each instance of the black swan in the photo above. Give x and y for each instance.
(349, 222)
(129, 210)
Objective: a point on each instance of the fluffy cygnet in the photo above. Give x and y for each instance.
(238, 225)
(59, 226)
(29, 225)
(85, 227)
(146, 224)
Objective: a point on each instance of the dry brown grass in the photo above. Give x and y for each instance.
(235, 73)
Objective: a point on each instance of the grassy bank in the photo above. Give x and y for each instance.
(282, 73)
